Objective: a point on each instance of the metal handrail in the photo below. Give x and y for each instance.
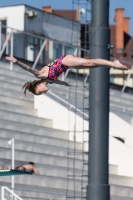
(41, 49)
(4, 46)
(44, 38)
(121, 60)
(47, 38)
(70, 105)
(129, 74)
(45, 192)
(13, 194)
(124, 86)
(38, 56)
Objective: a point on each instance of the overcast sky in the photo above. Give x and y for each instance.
(67, 4)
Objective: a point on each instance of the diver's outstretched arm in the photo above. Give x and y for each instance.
(23, 66)
(35, 170)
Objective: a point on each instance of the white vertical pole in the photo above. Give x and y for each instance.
(75, 54)
(63, 52)
(63, 49)
(12, 142)
(0, 35)
(110, 71)
(11, 51)
(85, 79)
(39, 54)
(4, 45)
(2, 193)
(7, 46)
(13, 161)
(123, 89)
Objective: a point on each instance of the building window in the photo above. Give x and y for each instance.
(124, 54)
(132, 54)
(119, 50)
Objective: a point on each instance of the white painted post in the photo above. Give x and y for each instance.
(12, 142)
(0, 35)
(7, 45)
(11, 51)
(67, 72)
(12, 193)
(2, 193)
(63, 49)
(4, 46)
(63, 52)
(13, 160)
(38, 56)
(123, 89)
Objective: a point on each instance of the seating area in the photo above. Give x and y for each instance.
(36, 140)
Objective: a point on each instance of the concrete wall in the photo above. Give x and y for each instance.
(62, 118)
(14, 16)
(52, 26)
(44, 24)
(120, 154)
(120, 128)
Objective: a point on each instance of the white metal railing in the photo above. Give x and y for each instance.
(67, 103)
(128, 76)
(39, 54)
(5, 44)
(41, 37)
(67, 72)
(12, 31)
(11, 50)
(10, 36)
(37, 58)
(14, 196)
(50, 195)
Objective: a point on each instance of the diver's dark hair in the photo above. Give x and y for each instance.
(30, 86)
(31, 163)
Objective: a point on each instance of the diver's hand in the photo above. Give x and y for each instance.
(11, 58)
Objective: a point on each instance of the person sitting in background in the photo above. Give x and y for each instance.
(27, 168)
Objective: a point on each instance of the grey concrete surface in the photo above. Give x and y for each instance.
(37, 141)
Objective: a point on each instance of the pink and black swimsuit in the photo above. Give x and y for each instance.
(56, 68)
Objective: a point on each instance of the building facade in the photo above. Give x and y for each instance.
(120, 38)
(63, 30)
(123, 47)
(30, 26)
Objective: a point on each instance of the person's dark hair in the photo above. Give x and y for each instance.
(30, 86)
(31, 163)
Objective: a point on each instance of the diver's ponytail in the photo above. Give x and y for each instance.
(30, 86)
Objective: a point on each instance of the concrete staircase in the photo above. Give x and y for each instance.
(37, 141)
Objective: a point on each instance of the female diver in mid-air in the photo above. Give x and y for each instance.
(51, 72)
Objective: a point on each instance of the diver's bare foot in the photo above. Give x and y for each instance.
(119, 65)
